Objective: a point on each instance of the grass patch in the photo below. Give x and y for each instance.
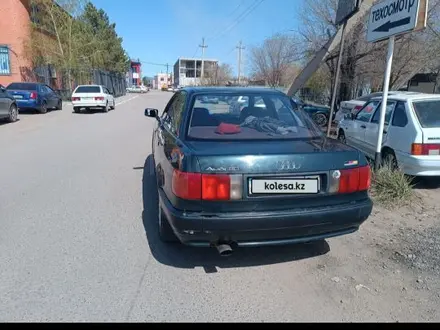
(391, 188)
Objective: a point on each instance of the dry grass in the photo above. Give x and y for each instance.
(391, 188)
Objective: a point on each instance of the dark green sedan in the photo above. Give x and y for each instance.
(260, 176)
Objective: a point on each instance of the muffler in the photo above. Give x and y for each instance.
(225, 250)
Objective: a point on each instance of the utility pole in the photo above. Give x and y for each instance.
(203, 46)
(240, 48)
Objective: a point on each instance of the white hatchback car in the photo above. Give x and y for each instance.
(92, 97)
(411, 137)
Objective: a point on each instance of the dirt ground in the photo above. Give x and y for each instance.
(392, 268)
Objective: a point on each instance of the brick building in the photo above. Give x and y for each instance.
(15, 31)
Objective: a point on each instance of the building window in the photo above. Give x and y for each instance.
(5, 64)
(162, 79)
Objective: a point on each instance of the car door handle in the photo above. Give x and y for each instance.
(363, 126)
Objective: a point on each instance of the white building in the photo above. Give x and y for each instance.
(162, 80)
(187, 71)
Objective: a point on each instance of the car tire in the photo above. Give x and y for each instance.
(166, 233)
(389, 157)
(341, 137)
(113, 107)
(106, 108)
(59, 105)
(320, 119)
(13, 114)
(76, 109)
(43, 108)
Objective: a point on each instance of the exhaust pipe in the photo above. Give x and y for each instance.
(224, 249)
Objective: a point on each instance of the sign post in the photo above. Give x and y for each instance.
(388, 19)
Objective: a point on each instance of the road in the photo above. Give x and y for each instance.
(78, 241)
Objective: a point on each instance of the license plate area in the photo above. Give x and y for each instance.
(284, 186)
(18, 96)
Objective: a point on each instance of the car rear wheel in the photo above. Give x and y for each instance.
(166, 233)
(43, 108)
(341, 136)
(113, 107)
(76, 109)
(59, 105)
(389, 159)
(106, 108)
(13, 114)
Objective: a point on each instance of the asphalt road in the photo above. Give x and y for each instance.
(78, 238)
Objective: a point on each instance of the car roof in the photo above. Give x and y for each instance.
(88, 86)
(410, 96)
(231, 90)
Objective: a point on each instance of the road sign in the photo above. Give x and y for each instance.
(346, 9)
(392, 17)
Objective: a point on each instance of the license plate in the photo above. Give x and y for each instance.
(284, 186)
(18, 96)
(87, 98)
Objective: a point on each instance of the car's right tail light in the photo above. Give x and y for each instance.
(350, 180)
(209, 187)
(425, 149)
(33, 96)
(99, 98)
(357, 108)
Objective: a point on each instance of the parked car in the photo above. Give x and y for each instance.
(8, 106)
(35, 96)
(319, 113)
(411, 139)
(353, 106)
(264, 176)
(92, 97)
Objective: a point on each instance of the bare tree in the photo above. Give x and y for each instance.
(273, 59)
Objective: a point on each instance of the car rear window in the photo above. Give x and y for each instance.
(428, 113)
(22, 86)
(88, 89)
(249, 117)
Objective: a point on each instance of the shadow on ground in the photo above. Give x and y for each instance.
(180, 256)
(90, 112)
(426, 182)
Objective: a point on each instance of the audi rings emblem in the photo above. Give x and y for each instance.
(285, 165)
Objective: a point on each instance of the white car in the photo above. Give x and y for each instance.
(92, 97)
(411, 139)
(355, 105)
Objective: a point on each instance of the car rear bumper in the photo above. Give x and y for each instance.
(419, 165)
(27, 104)
(265, 228)
(89, 104)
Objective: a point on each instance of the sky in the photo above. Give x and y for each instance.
(161, 31)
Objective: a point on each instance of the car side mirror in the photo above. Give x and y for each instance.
(152, 113)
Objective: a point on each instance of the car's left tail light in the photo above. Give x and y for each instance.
(33, 96)
(76, 99)
(350, 180)
(210, 187)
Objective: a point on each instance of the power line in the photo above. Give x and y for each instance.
(232, 13)
(240, 18)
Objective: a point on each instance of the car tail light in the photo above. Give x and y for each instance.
(350, 180)
(210, 187)
(76, 99)
(422, 149)
(33, 96)
(99, 98)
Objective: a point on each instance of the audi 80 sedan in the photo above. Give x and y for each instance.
(260, 176)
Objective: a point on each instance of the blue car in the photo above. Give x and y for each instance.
(35, 96)
(266, 175)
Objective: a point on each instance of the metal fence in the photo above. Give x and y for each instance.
(115, 82)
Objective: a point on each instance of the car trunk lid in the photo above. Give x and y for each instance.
(23, 94)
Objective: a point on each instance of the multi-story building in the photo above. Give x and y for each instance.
(188, 71)
(162, 80)
(134, 75)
